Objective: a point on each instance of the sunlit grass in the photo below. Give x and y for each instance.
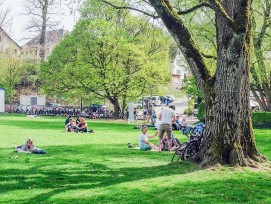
(99, 168)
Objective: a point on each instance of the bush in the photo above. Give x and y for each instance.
(190, 108)
(261, 119)
(201, 111)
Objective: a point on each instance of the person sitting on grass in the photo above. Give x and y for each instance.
(144, 144)
(67, 120)
(29, 147)
(82, 126)
(71, 126)
(164, 142)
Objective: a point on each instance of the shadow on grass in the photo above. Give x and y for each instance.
(66, 168)
(90, 168)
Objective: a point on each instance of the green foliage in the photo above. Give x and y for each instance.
(99, 168)
(116, 57)
(191, 88)
(10, 71)
(190, 108)
(261, 119)
(201, 111)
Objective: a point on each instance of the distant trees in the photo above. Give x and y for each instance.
(10, 70)
(114, 56)
(261, 58)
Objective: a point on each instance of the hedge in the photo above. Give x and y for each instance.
(261, 119)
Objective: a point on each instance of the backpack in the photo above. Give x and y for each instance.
(39, 151)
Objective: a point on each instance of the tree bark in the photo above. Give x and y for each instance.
(229, 138)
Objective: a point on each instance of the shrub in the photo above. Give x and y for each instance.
(190, 108)
(261, 119)
(201, 111)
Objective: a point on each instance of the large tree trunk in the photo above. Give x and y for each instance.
(115, 102)
(229, 136)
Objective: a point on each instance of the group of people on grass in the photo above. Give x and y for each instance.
(79, 125)
(164, 125)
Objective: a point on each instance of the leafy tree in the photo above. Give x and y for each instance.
(229, 135)
(116, 58)
(261, 63)
(10, 69)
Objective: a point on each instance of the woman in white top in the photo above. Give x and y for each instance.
(144, 144)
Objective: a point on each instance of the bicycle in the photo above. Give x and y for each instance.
(188, 149)
(178, 152)
(193, 145)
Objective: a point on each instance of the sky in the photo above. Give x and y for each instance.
(18, 32)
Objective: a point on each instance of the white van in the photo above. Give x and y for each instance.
(155, 100)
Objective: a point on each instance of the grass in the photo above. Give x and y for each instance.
(99, 168)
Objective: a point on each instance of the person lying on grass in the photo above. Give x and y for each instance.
(144, 144)
(29, 147)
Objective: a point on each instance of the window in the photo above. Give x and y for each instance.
(33, 101)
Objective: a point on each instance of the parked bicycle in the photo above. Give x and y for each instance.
(188, 149)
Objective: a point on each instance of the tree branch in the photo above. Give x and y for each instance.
(218, 8)
(194, 8)
(130, 8)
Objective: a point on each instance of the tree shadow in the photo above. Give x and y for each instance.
(66, 168)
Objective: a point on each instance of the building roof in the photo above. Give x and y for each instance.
(53, 36)
(2, 30)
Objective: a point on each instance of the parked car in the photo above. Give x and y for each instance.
(155, 100)
(97, 108)
(171, 97)
(138, 104)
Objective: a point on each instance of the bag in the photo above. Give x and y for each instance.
(39, 151)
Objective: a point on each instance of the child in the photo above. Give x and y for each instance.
(144, 144)
(71, 125)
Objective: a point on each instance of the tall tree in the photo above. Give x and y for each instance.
(41, 13)
(229, 138)
(116, 57)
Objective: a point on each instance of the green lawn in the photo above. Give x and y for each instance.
(99, 168)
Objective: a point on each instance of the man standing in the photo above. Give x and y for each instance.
(167, 116)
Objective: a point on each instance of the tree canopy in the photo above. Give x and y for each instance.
(112, 56)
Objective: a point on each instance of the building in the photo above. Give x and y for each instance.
(178, 72)
(52, 38)
(7, 43)
(32, 100)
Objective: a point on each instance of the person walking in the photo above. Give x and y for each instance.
(167, 116)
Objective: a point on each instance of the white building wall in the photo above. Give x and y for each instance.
(24, 100)
(41, 100)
